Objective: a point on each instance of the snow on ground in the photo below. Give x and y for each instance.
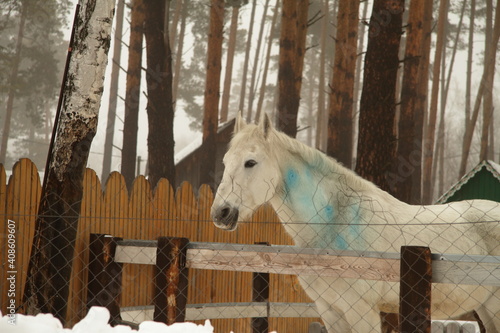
(96, 321)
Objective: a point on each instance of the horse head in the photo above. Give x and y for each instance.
(250, 176)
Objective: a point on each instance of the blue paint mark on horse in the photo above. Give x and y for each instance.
(292, 178)
(340, 243)
(319, 212)
(329, 213)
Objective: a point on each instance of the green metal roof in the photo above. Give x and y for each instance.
(482, 182)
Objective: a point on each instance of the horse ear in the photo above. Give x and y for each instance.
(265, 124)
(240, 123)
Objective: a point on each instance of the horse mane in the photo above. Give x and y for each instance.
(318, 160)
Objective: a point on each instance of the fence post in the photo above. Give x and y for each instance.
(171, 280)
(260, 293)
(415, 289)
(104, 276)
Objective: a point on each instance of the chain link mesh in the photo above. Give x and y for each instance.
(246, 301)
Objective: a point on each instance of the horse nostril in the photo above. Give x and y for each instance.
(224, 213)
(225, 217)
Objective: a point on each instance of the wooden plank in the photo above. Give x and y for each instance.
(285, 259)
(470, 270)
(298, 264)
(229, 311)
(415, 289)
(132, 254)
(138, 314)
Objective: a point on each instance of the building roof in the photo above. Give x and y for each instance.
(490, 166)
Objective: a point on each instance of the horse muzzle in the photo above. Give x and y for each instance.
(225, 217)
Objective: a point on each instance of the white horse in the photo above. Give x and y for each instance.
(324, 205)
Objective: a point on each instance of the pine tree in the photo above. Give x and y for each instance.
(212, 87)
(376, 141)
(160, 106)
(340, 120)
(291, 60)
(406, 179)
(132, 93)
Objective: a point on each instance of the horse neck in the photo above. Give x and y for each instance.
(318, 198)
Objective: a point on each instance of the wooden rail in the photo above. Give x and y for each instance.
(285, 259)
(173, 256)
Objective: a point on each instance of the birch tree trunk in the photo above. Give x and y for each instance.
(49, 272)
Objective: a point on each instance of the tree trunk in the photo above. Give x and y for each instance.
(359, 67)
(340, 125)
(179, 51)
(13, 82)
(247, 58)
(445, 86)
(320, 117)
(132, 93)
(231, 47)
(310, 109)
(262, 90)
(160, 106)
(179, 4)
(409, 153)
(251, 94)
(291, 59)
(431, 122)
(376, 141)
(212, 87)
(113, 92)
(488, 92)
(470, 55)
(489, 65)
(49, 272)
(421, 100)
(302, 21)
(440, 131)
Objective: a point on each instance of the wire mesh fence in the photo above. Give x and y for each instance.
(278, 288)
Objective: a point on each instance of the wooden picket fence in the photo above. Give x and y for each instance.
(147, 214)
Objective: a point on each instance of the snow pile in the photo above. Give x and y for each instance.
(96, 321)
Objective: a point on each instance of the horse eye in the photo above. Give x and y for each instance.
(250, 164)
